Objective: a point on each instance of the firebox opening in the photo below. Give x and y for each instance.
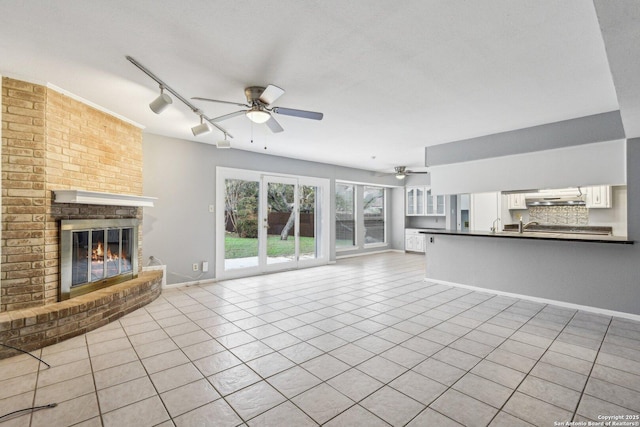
(96, 254)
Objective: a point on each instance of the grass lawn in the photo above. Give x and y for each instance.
(238, 247)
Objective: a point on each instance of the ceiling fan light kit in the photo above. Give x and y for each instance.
(257, 115)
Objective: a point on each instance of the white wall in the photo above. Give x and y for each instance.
(483, 210)
(582, 165)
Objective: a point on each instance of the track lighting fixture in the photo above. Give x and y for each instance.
(224, 143)
(201, 129)
(161, 103)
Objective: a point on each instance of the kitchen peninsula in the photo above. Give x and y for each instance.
(552, 268)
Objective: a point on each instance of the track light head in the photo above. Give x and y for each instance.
(161, 103)
(224, 143)
(202, 128)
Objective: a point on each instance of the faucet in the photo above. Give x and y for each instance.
(522, 227)
(493, 224)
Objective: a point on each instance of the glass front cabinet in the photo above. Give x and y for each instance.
(420, 202)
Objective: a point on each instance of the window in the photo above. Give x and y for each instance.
(345, 216)
(374, 215)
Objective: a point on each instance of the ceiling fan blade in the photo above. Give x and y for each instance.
(221, 102)
(228, 116)
(270, 94)
(416, 172)
(274, 125)
(298, 113)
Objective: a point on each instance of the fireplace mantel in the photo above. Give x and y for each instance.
(96, 198)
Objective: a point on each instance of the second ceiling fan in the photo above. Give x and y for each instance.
(401, 172)
(259, 109)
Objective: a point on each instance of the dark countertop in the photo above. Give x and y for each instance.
(536, 235)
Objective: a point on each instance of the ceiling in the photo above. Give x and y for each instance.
(390, 77)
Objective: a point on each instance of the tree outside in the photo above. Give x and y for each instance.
(241, 213)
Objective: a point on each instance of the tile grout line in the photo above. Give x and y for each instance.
(481, 359)
(591, 371)
(575, 412)
(515, 390)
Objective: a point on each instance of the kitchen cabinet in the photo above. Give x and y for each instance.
(516, 201)
(598, 197)
(420, 202)
(435, 204)
(414, 241)
(415, 201)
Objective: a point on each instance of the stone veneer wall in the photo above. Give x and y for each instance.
(53, 142)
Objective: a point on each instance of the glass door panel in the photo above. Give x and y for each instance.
(241, 200)
(345, 216)
(280, 221)
(374, 215)
(420, 201)
(308, 222)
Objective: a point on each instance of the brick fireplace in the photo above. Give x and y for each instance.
(51, 141)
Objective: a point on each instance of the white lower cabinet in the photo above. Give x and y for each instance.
(414, 241)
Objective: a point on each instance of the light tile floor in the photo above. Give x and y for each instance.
(363, 342)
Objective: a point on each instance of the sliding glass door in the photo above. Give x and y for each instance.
(240, 223)
(280, 222)
(268, 223)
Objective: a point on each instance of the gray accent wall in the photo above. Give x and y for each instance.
(180, 230)
(600, 275)
(567, 133)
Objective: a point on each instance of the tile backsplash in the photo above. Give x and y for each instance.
(559, 215)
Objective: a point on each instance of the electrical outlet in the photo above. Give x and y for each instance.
(211, 208)
(195, 266)
(205, 266)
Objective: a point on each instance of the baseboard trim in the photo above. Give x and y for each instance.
(564, 304)
(367, 253)
(186, 284)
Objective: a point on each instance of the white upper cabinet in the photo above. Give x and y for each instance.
(598, 197)
(420, 202)
(435, 204)
(415, 201)
(516, 201)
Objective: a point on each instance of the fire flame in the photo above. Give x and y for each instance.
(98, 253)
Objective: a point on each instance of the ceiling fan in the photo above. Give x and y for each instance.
(402, 172)
(259, 109)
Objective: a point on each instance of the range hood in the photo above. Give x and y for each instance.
(556, 201)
